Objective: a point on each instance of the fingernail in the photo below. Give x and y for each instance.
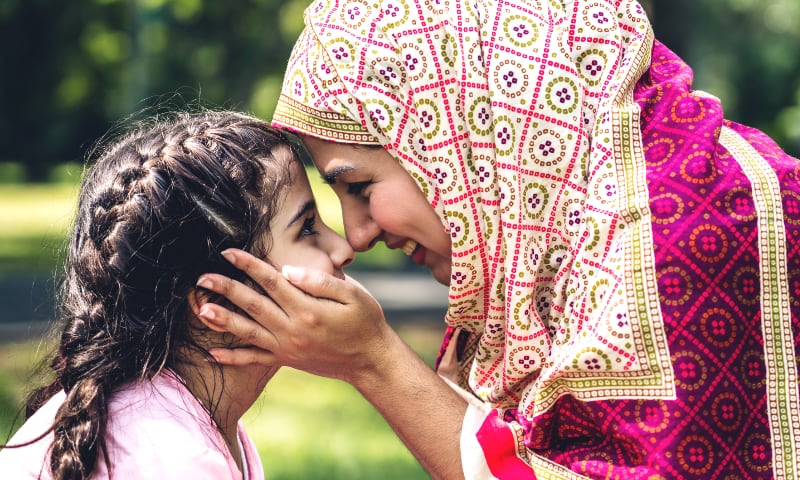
(291, 273)
(205, 282)
(207, 313)
(229, 256)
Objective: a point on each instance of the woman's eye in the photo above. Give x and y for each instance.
(357, 189)
(308, 226)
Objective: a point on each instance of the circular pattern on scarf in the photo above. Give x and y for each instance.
(727, 411)
(674, 286)
(389, 72)
(536, 198)
(396, 12)
(413, 58)
(591, 64)
(544, 296)
(551, 263)
(752, 370)
(381, 114)
(459, 228)
(708, 243)
(747, 286)
(791, 208)
(548, 149)
(522, 360)
(354, 13)
(428, 118)
(620, 324)
(484, 172)
(698, 168)
(739, 204)
(422, 182)
(651, 416)
(719, 327)
(462, 307)
(591, 360)
(479, 115)
(794, 287)
(521, 313)
(562, 95)
(758, 452)
(521, 31)
(636, 13)
(659, 151)
(341, 51)
(598, 292)
(666, 208)
(511, 78)
(504, 136)
(599, 18)
(488, 227)
(696, 454)
(592, 230)
(604, 187)
(690, 370)
(449, 51)
(507, 197)
(464, 273)
(299, 88)
(687, 108)
(574, 209)
(475, 61)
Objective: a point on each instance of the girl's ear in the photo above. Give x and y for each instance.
(197, 299)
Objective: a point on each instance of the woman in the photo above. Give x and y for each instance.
(134, 393)
(624, 264)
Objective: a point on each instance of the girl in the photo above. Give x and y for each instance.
(134, 395)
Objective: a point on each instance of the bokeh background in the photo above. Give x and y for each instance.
(71, 70)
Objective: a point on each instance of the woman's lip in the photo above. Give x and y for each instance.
(419, 255)
(409, 247)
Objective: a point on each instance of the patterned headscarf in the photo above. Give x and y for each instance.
(518, 123)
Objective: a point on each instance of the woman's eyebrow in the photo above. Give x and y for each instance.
(333, 174)
(301, 212)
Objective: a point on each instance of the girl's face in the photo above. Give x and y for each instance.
(299, 236)
(381, 202)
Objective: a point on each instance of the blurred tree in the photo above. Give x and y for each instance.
(747, 52)
(71, 69)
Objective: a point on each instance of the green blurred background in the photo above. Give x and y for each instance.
(70, 70)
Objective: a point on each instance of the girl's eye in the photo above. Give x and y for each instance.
(308, 226)
(357, 189)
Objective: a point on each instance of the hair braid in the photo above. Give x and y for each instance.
(155, 210)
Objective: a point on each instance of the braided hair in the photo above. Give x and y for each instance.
(155, 210)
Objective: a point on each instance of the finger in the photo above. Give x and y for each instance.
(254, 303)
(317, 283)
(244, 357)
(221, 319)
(264, 274)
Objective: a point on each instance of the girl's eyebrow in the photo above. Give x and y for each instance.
(333, 174)
(301, 212)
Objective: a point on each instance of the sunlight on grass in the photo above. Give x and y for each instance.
(304, 427)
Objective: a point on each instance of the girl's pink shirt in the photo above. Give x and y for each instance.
(156, 430)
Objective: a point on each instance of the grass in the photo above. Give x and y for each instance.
(304, 427)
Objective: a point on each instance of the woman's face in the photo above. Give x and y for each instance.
(381, 202)
(299, 236)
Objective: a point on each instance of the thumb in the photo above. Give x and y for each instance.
(314, 282)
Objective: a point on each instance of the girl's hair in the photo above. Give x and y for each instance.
(155, 211)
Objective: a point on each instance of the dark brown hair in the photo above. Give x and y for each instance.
(155, 210)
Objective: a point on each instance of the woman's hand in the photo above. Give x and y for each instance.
(332, 327)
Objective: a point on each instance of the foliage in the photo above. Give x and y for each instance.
(71, 69)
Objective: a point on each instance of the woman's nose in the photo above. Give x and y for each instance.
(361, 231)
(340, 251)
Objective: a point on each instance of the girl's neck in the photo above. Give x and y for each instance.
(227, 393)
